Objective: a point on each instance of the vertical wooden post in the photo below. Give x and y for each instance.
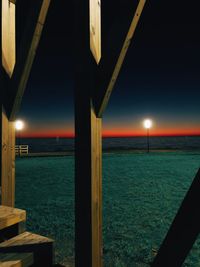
(7, 131)
(88, 151)
(7, 161)
(96, 177)
(88, 185)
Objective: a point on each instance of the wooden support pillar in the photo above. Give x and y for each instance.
(88, 185)
(7, 161)
(88, 149)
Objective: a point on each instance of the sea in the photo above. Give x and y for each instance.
(57, 144)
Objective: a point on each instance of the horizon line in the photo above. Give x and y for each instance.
(109, 136)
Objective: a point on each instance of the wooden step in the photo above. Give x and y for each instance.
(40, 246)
(12, 222)
(10, 216)
(16, 259)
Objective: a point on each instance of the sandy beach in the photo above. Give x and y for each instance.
(141, 195)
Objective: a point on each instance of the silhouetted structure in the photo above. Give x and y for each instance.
(96, 74)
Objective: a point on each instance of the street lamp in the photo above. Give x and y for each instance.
(19, 125)
(147, 125)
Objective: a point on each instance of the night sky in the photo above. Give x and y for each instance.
(160, 78)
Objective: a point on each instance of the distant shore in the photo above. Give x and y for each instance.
(106, 151)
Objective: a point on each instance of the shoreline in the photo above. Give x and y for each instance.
(108, 151)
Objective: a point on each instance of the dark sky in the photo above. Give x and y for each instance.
(160, 78)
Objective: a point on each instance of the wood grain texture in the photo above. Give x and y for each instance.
(25, 238)
(40, 246)
(10, 216)
(8, 161)
(96, 164)
(8, 36)
(16, 259)
(95, 29)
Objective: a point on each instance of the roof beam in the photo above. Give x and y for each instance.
(27, 54)
(103, 92)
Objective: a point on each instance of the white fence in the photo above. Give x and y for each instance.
(21, 150)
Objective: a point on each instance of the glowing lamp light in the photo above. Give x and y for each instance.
(147, 123)
(19, 125)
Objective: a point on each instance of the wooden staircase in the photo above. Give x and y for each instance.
(19, 248)
(16, 259)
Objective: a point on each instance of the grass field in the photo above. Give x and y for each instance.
(141, 195)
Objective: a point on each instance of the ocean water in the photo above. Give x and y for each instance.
(67, 144)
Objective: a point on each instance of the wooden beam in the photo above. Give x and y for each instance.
(10, 216)
(8, 36)
(27, 53)
(95, 29)
(183, 231)
(88, 150)
(96, 182)
(102, 94)
(7, 161)
(4, 78)
(7, 135)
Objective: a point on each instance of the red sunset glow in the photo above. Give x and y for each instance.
(117, 132)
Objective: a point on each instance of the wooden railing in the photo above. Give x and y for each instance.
(21, 150)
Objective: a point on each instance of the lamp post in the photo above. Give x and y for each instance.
(19, 125)
(147, 125)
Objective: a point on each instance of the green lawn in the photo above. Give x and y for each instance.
(141, 195)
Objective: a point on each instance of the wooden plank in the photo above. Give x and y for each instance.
(27, 53)
(8, 162)
(95, 29)
(96, 181)
(8, 36)
(25, 238)
(10, 216)
(183, 231)
(102, 94)
(40, 246)
(16, 259)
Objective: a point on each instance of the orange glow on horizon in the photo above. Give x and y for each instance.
(46, 135)
(112, 133)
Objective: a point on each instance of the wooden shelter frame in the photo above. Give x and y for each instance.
(91, 99)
